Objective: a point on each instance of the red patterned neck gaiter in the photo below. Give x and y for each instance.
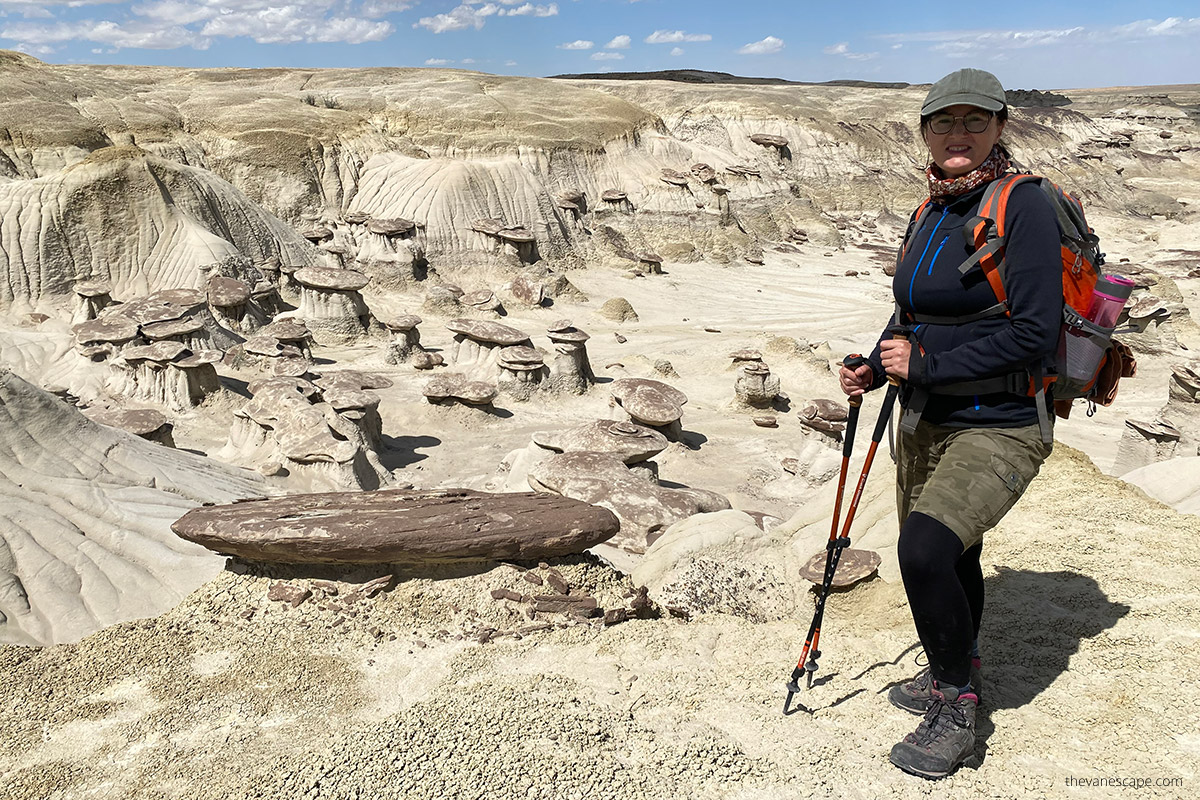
(995, 165)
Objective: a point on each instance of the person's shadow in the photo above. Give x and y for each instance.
(1032, 624)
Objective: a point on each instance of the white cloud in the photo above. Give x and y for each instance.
(843, 49)
(280, 24)
(109, 33)
(381, 8)
(38, 10)
(962, 42)
(578, 44)
(676, 51)
(438, 62)
(467, 61)
(175, 11)
(673, 37)
(621, 42)
(602, 56)
(763, 47)
(466, 16)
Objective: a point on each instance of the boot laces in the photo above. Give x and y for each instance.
(940, 720)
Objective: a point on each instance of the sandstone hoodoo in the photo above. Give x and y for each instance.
(644, 508)
(704, 173)
(291, 332)
(825, 416)
(756, 387)
(230, 302)
(476, 342)
(741, 357)
(572, 371)
(406, 339)
(395, 526)
(650, 262)
(769, 140)
(356, 217)
(616, 199)
(91, 297)
(317, 234)
(649, 402)
(522, 369)
(392, 226)
(289, 423)
(490, 227)
(146, 423)
(674, 177)
(451, 386)
(630, 442)
(188, 331)
(167, 373)
(102, 337)
(330, 304)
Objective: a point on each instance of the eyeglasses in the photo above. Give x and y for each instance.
(974, 122)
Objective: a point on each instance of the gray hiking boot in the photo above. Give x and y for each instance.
(915, 696)
(943, 740)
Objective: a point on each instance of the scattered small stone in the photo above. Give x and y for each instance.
(851, 273)
(247, 613)
(376, 585)
(712, 330)
(338, 620)
(766, 422)
(535, 628)
(620, 339)
(565, 604)
(286, 593)
(506, 594)
(328, 587)
(557, 582)
(615, 615)
(530, 577)
(791, 465)
(419, 644)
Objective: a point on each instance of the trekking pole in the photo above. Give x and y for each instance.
(807, 665)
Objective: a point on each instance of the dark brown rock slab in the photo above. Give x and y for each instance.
(399, 526)
(769, 140)
(853, 566)
(391, 226)
(341, 280)
(649, 401)
(482, 330)
(106, 329)
(225, 292)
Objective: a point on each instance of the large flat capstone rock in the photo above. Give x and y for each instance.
(398, 526)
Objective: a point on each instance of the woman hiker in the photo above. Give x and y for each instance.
(970, 454)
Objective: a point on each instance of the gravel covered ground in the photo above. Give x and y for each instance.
(232, 694)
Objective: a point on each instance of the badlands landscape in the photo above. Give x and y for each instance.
(229, 284)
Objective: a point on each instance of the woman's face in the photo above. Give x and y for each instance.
(959, 151)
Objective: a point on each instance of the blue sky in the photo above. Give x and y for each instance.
(1028, 44)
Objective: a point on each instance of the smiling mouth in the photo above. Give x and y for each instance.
(958, 150)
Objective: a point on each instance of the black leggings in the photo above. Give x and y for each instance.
(945, 592)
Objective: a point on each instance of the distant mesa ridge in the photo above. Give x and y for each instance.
(706, 76)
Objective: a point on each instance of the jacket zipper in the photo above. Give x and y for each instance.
(917, 269)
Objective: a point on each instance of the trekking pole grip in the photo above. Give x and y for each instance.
(853, 362)
(898, 332)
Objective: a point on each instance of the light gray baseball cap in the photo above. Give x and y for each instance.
(971, 87)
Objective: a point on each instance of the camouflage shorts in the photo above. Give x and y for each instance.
(966, 478)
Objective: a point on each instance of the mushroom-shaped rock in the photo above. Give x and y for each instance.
(230, 301)
(352, 379)
(400, 527)
(614, 196)
(163, 305)
(456, 386)
(521, 369)
(391, 226)
(331, 305)
(769, 140)
(317, 233)
(572, 371)
(755, 385)
(674, 177)
(651, 261)
(648, 401)
(1146, 442)
(644, 508)
(491, 227)
(342, 280)
(406, 339)
(356, 217)
(92, 297)
(483, 301)
(1147, 306)
(631, 442)
(487, 331)
(746, 354)
(104, 335)
(167, 372)
(227, 292)
(179, 330)
(704, 172)
(826, 409)
(147, 423)
(742, 169)
(517, 235)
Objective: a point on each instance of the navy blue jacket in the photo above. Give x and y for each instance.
(928, 282)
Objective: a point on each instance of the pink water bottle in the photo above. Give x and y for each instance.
(1108, 299)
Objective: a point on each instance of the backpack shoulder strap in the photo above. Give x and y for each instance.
(985, 233)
